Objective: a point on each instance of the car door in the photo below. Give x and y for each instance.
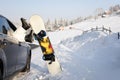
(22, 56)
(21, 50)
(9, 46)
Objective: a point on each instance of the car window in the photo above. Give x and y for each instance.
(5, 27)
(11, 25)
(4, 30)
(1, 24)
(5, 23)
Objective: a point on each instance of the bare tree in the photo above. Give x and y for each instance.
(99, 11)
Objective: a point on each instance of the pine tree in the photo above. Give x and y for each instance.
(66, 23)
(55, 25)
(48, 25)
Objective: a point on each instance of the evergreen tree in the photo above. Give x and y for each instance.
(55, 25)
(48, 25)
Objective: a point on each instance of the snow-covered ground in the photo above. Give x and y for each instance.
(91, 56)
(113, 22)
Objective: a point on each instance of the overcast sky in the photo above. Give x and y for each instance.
(68, 9)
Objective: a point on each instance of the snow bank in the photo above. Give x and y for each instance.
(94, 56)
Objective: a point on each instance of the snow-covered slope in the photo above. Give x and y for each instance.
(58, 36)
(91, 56)
(112, 22)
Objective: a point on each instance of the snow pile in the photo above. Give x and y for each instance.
(82, 40)
(92, 56)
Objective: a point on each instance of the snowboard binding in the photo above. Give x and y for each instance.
(49, 57)
(46, 47)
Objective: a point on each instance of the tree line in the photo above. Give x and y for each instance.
(99, 12)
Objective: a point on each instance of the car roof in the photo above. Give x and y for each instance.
(3, 16)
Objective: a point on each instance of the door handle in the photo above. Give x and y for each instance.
(3, 43)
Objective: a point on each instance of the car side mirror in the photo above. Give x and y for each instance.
(4, 30)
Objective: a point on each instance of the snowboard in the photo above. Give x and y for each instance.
(40, 33)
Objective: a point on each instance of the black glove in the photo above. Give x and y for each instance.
(29, 37)
(25, 25)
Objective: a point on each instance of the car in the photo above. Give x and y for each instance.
(15, 56)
